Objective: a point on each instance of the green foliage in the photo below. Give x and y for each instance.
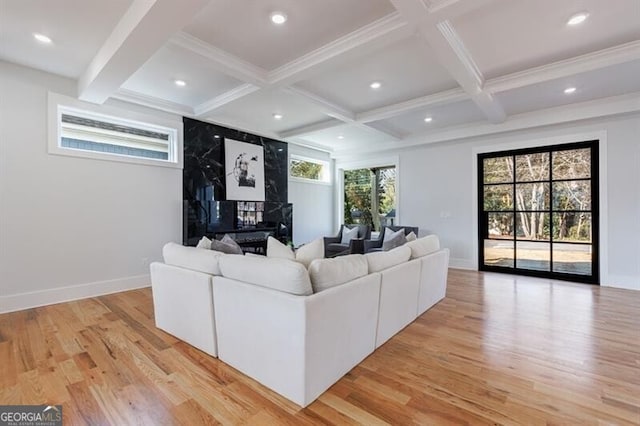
(305, 169)
(358, 186)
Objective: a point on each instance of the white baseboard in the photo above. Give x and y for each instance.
(18, 302)
(458, 263)
(628, 282)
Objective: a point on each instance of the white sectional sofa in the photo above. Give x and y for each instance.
(261, 315)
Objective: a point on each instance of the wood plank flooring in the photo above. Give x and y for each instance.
(497, 350)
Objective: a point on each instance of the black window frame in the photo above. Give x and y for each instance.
(483, 231)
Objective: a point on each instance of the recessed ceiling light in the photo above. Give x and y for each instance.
(42, 38)
(278, 18)
(340, 136)
(428, 119)
(277, 116)
(569, 90)
(216, 136)
(375, 85)
(180, 83)
(578, 18)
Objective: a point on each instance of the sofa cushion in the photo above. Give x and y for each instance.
(381, 260)
(309, 252)
(193, 258)
(276, 249)
(423, 246)
(226, 245)
(396, 239)
(278, 274)
(204, 243)
(348, 234)
(327, 273)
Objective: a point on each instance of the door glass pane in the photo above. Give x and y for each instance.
(532, 226)
(532, 167)
(572, 258)
(498, 169)
(572, 164)
(533, 255)
(498, 197)
(532, 196)
(570, 226)
(572, 195)
(498, 253)
(500, 225)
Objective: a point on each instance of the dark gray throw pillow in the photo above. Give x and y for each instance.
(226, 245)
(397, 240)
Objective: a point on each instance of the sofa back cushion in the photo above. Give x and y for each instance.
(278, 274)
(196, 259)
(327, 273)
(381, 260)
(309, 252)
(423, 246)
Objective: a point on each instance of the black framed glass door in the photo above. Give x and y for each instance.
(538, 211)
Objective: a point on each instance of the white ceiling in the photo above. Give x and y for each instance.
(465, 63)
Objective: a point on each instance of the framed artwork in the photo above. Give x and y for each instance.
(244, 166)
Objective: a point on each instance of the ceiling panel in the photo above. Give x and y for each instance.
(605, 82)
(406, 69)
(246, 31)
(509, 36)
(157, 77)
(352, 135)
(442, 116)
(78, 29)
(258, 109)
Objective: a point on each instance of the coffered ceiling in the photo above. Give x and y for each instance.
(467, 65)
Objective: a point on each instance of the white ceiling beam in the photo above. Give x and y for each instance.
(152, 102)
(144, 28)
(222, 60)
(448, 9)
(589, 62)
(382, 32)
(452, 54)
(590, 110)
(441, 98)
(225, 98)
(310, 128)
(388, 130)
(328, 107)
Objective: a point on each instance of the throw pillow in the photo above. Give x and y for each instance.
(395, 240)
(348, 234)
(204, 243)
(309, 252)
(411, 237)
(390, 233)
(226, 245)
(276, 249)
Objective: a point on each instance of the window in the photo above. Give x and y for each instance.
(84, 132)
(370, 196)
(306, 168)
(538, 211)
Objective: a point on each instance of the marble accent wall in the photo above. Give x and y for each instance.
(204, 179)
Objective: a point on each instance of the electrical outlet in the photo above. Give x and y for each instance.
(145, 261)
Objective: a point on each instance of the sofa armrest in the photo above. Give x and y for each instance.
(296, 345)
(371, 244)
(183, 305)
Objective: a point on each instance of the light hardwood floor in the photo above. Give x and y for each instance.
(497, 350)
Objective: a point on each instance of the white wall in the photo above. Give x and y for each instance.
(313, 203)
(438, 192)
(73, 227)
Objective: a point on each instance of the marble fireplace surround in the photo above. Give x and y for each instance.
(206, 211)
